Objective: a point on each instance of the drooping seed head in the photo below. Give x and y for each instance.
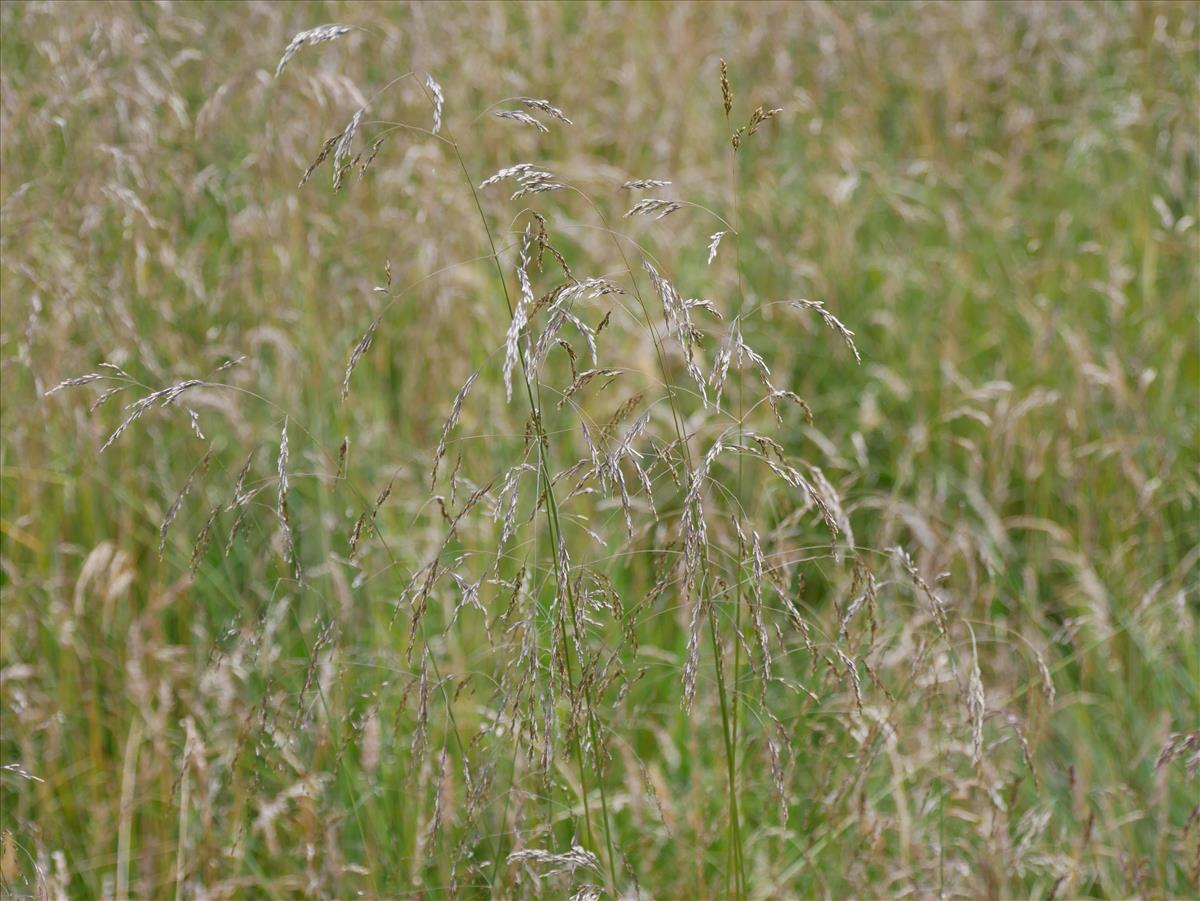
(317, 35)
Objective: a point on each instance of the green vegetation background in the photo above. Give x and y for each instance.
(999, 199)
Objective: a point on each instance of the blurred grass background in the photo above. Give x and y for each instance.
(1000, 199)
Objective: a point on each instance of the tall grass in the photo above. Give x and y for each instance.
(561, 450)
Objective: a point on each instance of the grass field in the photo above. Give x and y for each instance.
(402, 537)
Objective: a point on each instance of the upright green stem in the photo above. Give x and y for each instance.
(735, 826)
(556, 538)
(728, 734)
(735, 837)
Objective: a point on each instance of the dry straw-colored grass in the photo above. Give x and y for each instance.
(576, 556)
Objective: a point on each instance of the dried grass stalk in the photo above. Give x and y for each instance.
(546, 107)
(138, 408)
(435, 90)
(451, 422)
(523, 118)
(76, 382)
(566, 862)
(714, 242)
(830, 320)
(363, 345)
(176, 505)
(639, 184)
(318, 35)
(653, 206)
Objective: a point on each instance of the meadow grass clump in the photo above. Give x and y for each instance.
(759, 463)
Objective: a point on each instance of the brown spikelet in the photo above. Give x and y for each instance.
(691, 666)
(235, 528)
(370, 158)
(571, 358)
(204, 537)
(417, 745)
(345, 142)
(363, 345)
(139, 408)
(726, 90)
(794, 398)
(852, 673)
(976, 703)
(758, 564)
(451, 422)
(105, 397)
(367, 519)
(326, 149)
(239, 490)
(343, 451)
(1047, 680)
(621, 413)
(759, 117)
(582, 379)
(1185, 745)
(173, 511)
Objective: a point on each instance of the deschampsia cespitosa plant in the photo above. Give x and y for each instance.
(621, 493)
